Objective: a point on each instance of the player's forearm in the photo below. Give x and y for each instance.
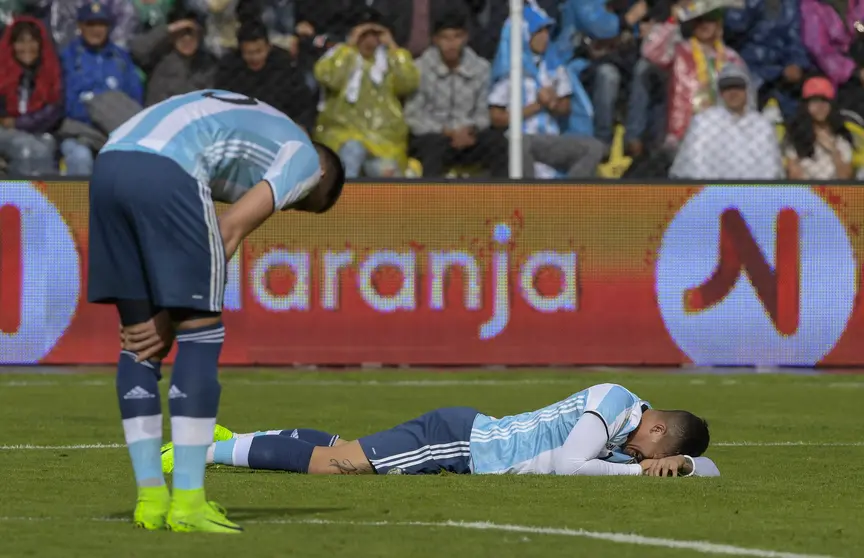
(596, 468)
(245, 216)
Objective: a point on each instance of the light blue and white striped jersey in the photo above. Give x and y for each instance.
(227, 142)
(525, 443)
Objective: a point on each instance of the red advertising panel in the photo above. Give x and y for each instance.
(443, 274)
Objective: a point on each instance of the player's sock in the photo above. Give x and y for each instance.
(194, 400)
(314, 437)
(141, 410)
(272, 453)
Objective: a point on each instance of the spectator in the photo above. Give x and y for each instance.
(187, 67)
(267, 73)
(695, 52)
(645, 123)
(64, 20)
(831, 34)
(158, 24)
(280, 18)
(490, 19)
(767, 34)
(547, 92)
(609, 45)
(363, 81)
(411, 21)
(731, 141)
(93, 66)
(449, 114)
(220, 23)
(31, 102)
(818, 145)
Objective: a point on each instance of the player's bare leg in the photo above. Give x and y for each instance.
(345, 459)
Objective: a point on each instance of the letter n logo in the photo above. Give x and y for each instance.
(778, 289)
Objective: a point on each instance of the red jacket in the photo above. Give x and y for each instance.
(665, 47)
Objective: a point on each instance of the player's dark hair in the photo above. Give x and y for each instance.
(334, 176)
(252, 30)
(687, 433)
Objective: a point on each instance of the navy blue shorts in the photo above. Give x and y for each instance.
(432, 443)
(153, 235)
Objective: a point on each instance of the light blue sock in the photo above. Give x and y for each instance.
(223, 452)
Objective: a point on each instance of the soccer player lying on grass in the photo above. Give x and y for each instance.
(603, 430)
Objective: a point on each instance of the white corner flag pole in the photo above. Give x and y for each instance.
(515, 109)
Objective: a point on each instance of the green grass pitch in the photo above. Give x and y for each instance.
(790, 448)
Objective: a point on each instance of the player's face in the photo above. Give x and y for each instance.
(451, 42)
(26, 49)
(255, 53)
(95, 33)
(646, 442)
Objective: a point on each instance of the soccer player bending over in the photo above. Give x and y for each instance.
(603, 430)
(158, 253)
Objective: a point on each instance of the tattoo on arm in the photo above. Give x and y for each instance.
(346, 467)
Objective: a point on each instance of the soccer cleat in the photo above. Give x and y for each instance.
(152, 507)
(208, 517)
(221, 434)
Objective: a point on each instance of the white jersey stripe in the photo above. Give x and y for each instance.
(180, 119)
(495, 432)
(410, 454)
(433, 456)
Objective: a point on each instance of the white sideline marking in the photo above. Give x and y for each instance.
(789, 444)
(703, 547)
(27, 447)
(31, 447)
(652, 380)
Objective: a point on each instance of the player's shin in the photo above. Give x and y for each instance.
(141, 410)
(194, 401)
(271, 453)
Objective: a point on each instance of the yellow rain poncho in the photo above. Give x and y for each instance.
(362, 100)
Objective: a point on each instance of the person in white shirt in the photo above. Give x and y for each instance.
(730, 141)
(818, 145)
(605, 430)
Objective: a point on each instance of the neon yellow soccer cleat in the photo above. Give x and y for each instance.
(220, 434)
(152, 507)
(208, 517)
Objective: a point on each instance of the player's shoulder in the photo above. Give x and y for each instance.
(614, 395)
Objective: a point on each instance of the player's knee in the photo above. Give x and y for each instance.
(134, 312)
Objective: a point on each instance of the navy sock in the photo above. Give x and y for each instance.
(194, 401)
(141, 411)
(312, 436)
(279, 453)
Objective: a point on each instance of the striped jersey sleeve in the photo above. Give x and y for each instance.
(226, 141)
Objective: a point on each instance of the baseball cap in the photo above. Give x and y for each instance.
(94, 11)
(732, 75)
(818, 87)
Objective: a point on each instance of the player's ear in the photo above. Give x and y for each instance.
(659, 429)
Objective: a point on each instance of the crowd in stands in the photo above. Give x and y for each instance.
(762, 90)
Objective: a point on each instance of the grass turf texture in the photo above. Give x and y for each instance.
(797, 498)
